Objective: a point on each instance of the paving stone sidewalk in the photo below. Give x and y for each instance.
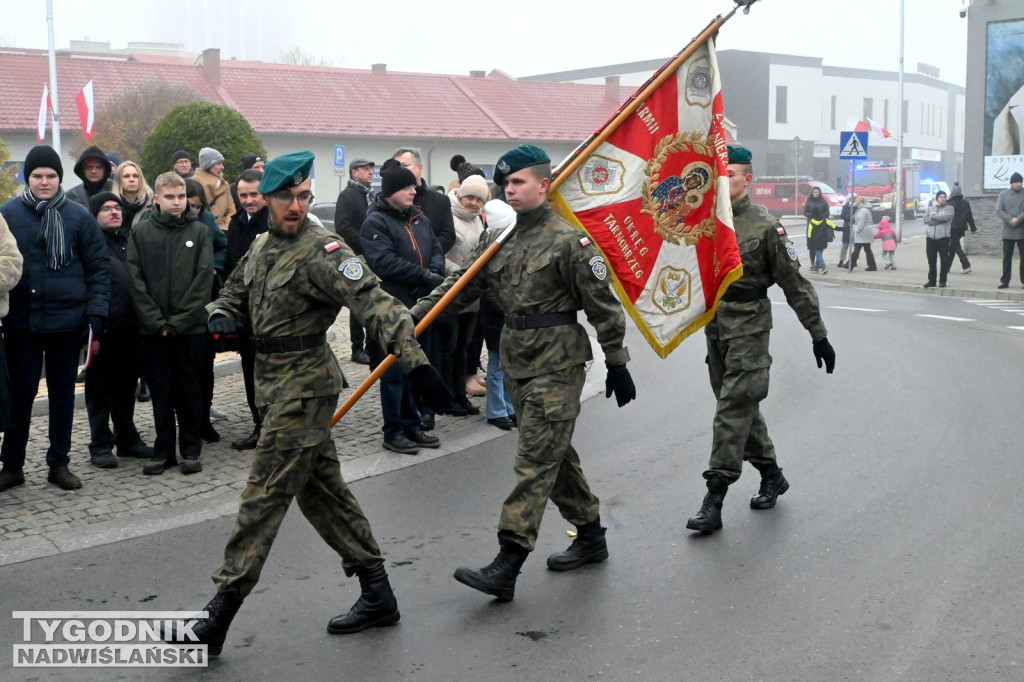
(115, 499)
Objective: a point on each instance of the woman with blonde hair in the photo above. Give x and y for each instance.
(136, 194)
(862, 234)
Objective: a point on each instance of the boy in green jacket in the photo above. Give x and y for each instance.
(170, 259)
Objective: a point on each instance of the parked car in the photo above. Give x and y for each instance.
(776, 194)
(928, 190)
(324, 211)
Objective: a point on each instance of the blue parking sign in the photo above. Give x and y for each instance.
(339, 159)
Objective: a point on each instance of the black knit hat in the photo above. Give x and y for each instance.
(43, 156)
(249, 160)
(179, 155)
(464, 168)
(97, 200)
(394, 179)
(1016, 177)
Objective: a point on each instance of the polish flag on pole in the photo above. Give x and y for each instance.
(86, 110)
(44, 109)
(654, 198)
(880, 132)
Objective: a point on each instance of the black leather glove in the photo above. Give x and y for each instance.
(621, 384)
(823, 351)
(428, 386)
(220, 325)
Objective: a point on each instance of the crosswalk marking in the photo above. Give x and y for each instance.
(860, 310)
(945, 317)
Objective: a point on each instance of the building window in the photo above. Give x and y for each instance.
(869, 106)
(780, 103)
(924, 118)
(885, 114)
(904, 115)
(940, 121)
(833, 114)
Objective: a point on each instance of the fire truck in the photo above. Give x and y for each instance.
(876, 180)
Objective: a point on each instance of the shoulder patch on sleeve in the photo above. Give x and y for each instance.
(331, 246)
(791, 250)
(352, 269)
(599, 267)
(585, 241)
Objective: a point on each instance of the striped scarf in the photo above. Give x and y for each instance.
(58, 249)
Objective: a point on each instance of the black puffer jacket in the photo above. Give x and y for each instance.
(401, 249)
(963, 217)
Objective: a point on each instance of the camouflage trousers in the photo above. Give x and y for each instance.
(547, 466)
(738, 368)
(295, 458)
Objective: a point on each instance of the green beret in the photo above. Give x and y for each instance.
(739, 154)
(287, 170)
(521, 157)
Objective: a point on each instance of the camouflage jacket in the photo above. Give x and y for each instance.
(769, 257)
(546, 266)
(295, 286)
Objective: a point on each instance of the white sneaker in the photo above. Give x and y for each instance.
(216, 415)
(966, 271)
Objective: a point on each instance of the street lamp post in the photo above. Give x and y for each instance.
(796, 175)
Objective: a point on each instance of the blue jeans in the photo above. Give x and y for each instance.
(25, 353)
(818, 260)
(498, 404)
(396, 400)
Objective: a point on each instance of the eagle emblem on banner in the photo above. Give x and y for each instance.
(679, 193)
(672, 292)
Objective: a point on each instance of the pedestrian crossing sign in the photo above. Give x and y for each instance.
(853, 144)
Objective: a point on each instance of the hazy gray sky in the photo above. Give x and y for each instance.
(523, 38)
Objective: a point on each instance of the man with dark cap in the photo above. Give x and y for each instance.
(545, 273)
(111, 375)
(349, 214)
(170, 258)
(63, 294)
(401, 249)
(254, 161)
(93, 167)
(297, 384)
(1010, 209)
(963, 217)
(737, 342)
(181, 161)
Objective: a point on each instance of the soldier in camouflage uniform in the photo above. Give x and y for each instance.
(288, 289)
(738, 358)
(546, 271)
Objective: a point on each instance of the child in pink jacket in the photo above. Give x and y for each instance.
(888, 238)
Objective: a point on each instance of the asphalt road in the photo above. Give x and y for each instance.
(896, 555)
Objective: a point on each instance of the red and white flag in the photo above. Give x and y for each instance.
(86, 110)
(880, 132)
(654, 198)
(44, 109)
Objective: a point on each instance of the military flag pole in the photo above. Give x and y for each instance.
(564, 170)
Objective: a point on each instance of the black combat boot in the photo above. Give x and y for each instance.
(588, 547)
(212, 630)
(375, 608)
(709, 518)
(773, 484)
(498, 578)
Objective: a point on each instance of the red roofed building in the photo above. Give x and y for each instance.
(295, 107)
